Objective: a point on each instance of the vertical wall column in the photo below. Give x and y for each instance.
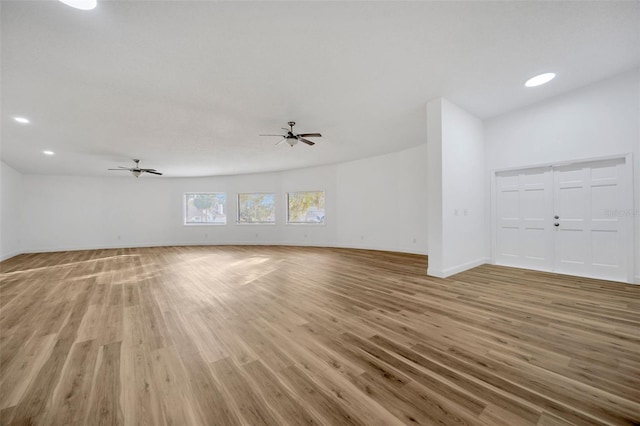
(11, 222)
(456, 185)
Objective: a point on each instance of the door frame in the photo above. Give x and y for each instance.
(626, 180)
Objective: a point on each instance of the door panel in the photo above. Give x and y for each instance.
(524, 235)
(608, 254)
(571, 236)
(604, 247)
(589, 241)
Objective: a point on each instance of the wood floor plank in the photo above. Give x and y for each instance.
(71, 397)
(272, 335)
(27, 363)
(140, 403)
(248, 402)
(35, 400)
(318, 399)
(104, 404)
(207, 396)
(170, 382)
(283, 401)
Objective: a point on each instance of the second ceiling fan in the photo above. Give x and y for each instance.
(136, 170)
(293, 138)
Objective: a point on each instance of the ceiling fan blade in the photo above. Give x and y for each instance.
(281, 136)
(281, 140)
(310, 135)
(148, 170)
(308, 142)
(153, 172)
(122, 170)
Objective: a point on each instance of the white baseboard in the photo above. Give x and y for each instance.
(221, 243)
(103, 247)
(444, 273)
(637, 280)
(378, 248)
(433, 272)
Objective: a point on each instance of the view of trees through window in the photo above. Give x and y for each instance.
(256, 208)
(208, 207)
(305, 207)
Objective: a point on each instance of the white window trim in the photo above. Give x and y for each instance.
(275, 220)
(184, 210)
(286, 209)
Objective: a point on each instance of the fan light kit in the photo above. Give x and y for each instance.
(21, 120)
(81, 4)
(136, 170)
(292, 138)
(539, 80)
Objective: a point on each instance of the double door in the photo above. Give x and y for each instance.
(571, 219)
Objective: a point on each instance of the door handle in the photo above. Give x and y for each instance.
(556, 224)
(556, 217)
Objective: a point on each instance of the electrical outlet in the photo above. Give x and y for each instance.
(465, 212)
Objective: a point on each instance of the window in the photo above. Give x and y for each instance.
(256, 208)
(305, 207)
(205, 208)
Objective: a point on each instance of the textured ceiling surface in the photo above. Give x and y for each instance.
(188, 86)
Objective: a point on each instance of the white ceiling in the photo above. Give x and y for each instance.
(188, 86)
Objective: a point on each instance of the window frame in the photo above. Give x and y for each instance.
(185, 205)
(286, 201)
(275, 214)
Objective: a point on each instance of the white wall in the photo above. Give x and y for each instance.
(599, 120)
(455, 142)
(463, 189)
(10, 211)
(434, 188)
(382, 202)
(377, 203)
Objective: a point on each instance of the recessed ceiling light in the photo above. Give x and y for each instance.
(81, 4)
(47, 152)
(540, 79)
(21, 120)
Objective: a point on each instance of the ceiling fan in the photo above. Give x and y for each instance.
(137, 171)
(292, 138)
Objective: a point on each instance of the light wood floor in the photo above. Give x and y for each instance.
(281, 335)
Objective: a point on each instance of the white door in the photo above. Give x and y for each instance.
(524, 225)
(590, 235)
(566, 219)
